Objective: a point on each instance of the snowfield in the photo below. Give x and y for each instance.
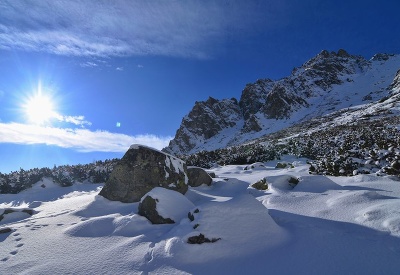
(321, 225)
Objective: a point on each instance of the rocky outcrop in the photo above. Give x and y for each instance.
(252, 125)
(140, 170)
(281, 102)
(199, 239)
(197, 176)
(4, 230)
(322, 85)
(254, 97)
(205, 120)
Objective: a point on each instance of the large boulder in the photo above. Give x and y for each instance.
(197, 176)
(162, 206)
(140, 170)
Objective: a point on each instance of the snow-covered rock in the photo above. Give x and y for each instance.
(161, 206)
(140, 170)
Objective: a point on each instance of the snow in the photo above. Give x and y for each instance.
(322, 225)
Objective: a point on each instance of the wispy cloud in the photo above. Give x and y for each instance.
(125, 27)
(82, 140)
(89, 64)
(119, 68)
(77, 120)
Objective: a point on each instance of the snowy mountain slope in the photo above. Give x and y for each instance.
(322, 225)
(327, 83)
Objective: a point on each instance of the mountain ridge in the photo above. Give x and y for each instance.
(328, 82)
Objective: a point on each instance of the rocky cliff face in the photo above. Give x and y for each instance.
(206, 120)
(328, 82)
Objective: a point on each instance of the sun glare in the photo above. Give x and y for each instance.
(39, 108)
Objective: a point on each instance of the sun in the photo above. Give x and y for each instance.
(39, 108)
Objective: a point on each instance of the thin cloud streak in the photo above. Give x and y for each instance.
(126, 27)
(81, 140)
(77, 120)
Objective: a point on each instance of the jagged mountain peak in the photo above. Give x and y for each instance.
(326, 83)
(382, 57)
(204, 121)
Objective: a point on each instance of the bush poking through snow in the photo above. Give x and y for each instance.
(262, 184)
(368, 145)
(201, 239)
(281, 165)
(293, 181)
(190, 216)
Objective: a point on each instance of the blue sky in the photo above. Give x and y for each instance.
(115, 73)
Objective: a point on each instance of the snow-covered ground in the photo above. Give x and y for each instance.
(322, 225)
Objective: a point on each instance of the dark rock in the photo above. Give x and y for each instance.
(201, 239)
(11, 210)
(5, 230)
(395, 165)
(148, 209)
(212, 175)
(140, 170)
(197, 176)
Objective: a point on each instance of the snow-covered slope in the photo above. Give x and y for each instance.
(326, 83)
(322, 225)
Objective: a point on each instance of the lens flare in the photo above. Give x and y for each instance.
(39, 107)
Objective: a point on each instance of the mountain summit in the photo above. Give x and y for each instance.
(326, 83)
